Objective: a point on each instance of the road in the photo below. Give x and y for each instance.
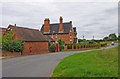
(34, 65)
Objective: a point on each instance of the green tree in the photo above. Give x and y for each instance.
(52, 48)
(119, 37)
(11, 45)
(61, 44)
(112, 37)
(81, 40)
(106, 38)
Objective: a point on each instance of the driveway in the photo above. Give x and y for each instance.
(34, 65)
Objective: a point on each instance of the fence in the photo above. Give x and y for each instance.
(83, 46)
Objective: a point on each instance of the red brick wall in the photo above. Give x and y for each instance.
(65, 37)
(35, 47)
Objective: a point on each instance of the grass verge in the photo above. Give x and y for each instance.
(96, 63)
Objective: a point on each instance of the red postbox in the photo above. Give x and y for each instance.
(57, 47)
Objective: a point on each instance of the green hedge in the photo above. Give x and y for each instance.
(96, 45)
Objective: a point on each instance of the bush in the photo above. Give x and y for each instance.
(69, 46)
(74, 46)
(103, 44)
(52, 48)
(12, 45)
(61, 44)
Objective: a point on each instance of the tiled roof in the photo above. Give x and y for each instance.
(55, 28)
(2, 30)
(28, 34)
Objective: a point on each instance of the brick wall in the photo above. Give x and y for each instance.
(65, 37)
(35, 47)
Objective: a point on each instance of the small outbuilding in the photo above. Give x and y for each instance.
(34, 41)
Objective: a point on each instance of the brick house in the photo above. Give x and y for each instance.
(2, 30)
(34, 41)
(64, 31)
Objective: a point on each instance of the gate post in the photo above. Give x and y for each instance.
(57, 47)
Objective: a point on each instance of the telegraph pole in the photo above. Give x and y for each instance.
(83, 37)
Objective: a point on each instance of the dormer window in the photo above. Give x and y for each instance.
(56, 35)
(70, 40)
(8, 29)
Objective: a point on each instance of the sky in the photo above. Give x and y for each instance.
(91, 18)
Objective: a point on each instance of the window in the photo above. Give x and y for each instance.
(56, 35)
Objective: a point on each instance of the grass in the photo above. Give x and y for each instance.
(70, 50)
(0, 38)
(96, 63)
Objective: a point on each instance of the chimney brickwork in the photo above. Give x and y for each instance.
(61, 25)
(46, 25)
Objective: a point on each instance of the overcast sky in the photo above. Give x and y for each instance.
(96, 19)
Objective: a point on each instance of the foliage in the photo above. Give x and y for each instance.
(0, 38)
(61, 44)
(81, 40)
(111, 37)
(106, 38)
(88, 45)
(103, 44)
(69, 46)
(8, 35)
(52, 48)
(96, 63)
(74, 45)
(11, 45)
(119, 37)
(84, 41)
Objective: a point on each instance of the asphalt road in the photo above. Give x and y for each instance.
(34, 65)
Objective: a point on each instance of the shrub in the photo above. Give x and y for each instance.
(61, 44)
(12, 45)
(103, 44)
(74, 46)
(69, 46)
(52, 48)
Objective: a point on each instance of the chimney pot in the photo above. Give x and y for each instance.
(70, 21)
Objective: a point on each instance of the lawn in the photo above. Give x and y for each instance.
(96, 63)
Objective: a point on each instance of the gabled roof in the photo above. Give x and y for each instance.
(55, 28)
(2, 30)
(28, 34)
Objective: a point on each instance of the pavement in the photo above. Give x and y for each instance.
(35, 65)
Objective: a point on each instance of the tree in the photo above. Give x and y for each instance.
(112, 37)
(119, 37)
(81, 40)
(11, 45)
(61, 44)
(106, 38)
(52, 48)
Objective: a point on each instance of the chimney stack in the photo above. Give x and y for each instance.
(46, 25)
(74, 29)
(15, 25)
(61, 25)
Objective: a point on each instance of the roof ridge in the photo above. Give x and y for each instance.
(59, 23)
(24, 27)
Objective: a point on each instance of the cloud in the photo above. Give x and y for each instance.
(90, 18)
